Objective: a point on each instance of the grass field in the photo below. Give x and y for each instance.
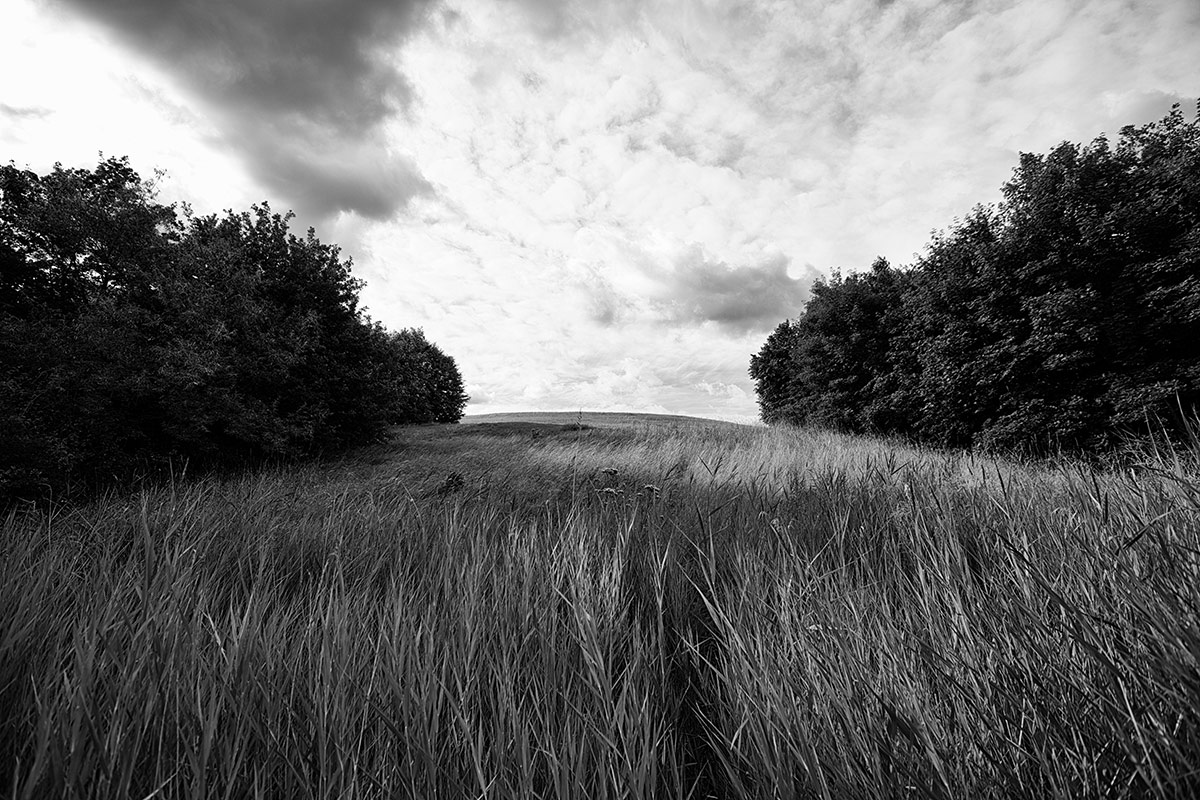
(527, 606)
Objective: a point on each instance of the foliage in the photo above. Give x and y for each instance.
(131, 334)
(1060, 319)
(635, 611)
(428, 386)
(772, 370)
(832, 366)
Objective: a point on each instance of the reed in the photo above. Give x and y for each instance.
(624, 611)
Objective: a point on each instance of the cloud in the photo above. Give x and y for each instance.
(1139, 107)
(639, 179)
(741, 299)
(626, 195)
(321, 175)
(626, 286)
(605, 305)
(24, 112)
(563, 18)
(301, 90)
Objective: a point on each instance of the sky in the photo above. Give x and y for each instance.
(590, 204)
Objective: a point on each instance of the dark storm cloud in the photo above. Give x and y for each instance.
(742, 299)
(300, 87)
(341, 175)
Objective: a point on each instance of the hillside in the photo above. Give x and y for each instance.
(592, 419)
(519, 607)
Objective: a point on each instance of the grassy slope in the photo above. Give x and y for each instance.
(591, 419)
(632, 609)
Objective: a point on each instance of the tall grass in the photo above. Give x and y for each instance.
(643, 611)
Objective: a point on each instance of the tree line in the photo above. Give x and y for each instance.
(134, 334)
(1062, 318)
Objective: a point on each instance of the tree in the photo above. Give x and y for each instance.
(76, 235)
(131, 335)
(428, 385)
(960, 326)
(1061, 318)
(831, 366)
(772, 369)
(76, 247)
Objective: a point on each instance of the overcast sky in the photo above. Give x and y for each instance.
(602, 204)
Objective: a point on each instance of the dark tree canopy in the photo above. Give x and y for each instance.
(131, 334)
(1061, 318)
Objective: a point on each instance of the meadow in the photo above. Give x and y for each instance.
(606, 606)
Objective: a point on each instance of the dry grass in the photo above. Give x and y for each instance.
(529, 609)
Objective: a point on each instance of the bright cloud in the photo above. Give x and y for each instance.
(603, 204)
